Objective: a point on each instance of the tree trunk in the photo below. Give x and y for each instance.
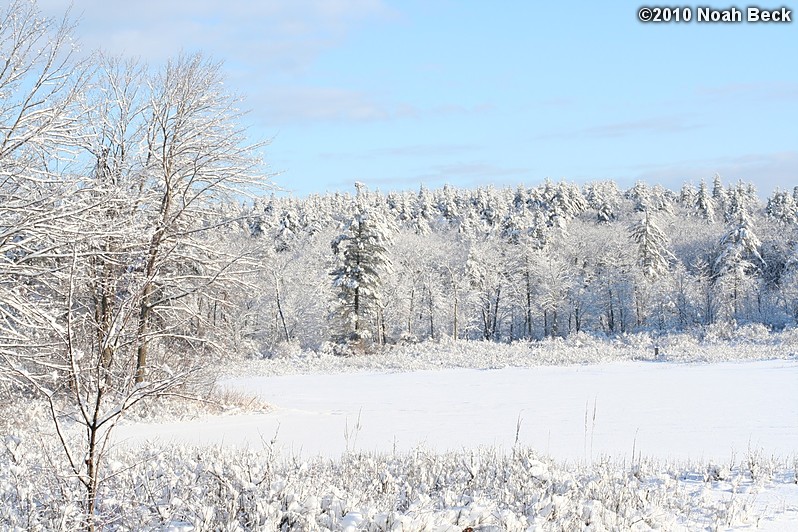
(611, 313)
(528, 317)
(410, 312)
(356, 310)
(454, 325)
(142, 331)
(554, 329)
(145, 308)
(431, 314)
(495, 325)
(280, 314)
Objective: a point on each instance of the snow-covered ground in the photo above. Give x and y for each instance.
(493, 439)
(713, 445)
(664, 410)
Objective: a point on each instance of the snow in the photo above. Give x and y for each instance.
(615, 445)
(627, 445)
(699, 412)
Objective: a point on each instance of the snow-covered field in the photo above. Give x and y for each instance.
(573, 437)
(664, 410)
(712, 444)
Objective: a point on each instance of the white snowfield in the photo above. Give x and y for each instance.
(663, 410)
(717, 440)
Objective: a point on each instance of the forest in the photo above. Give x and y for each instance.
(137, 221)
(523, 263)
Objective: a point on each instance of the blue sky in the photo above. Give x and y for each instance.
(396, 94)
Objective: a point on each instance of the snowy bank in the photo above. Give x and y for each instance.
(715, 344)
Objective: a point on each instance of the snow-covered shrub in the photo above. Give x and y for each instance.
(717, 472)
(719, 332)
(752, 332)
(285, 349)
(583, 348)
(201, 488)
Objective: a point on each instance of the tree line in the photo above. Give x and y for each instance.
(135, 235)
(513, 263)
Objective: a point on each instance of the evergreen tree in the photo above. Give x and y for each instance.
(423, 213)
(687, 196)
(738, 260)
(286, 231)
(566, 203)
(640, 196)
(740, 203)
(653, 253)
(447, 205)
(605, 198)
(704, 203)
(358, 277)
(781, 207)
(661, 199)
(718, 194)
(653, 258)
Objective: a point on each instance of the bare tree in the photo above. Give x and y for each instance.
(171, 148)
(195, 157)
(40, 88)
(89, 392)
(41, 83)
(111, 192)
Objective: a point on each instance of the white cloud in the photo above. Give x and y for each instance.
(655, 125)
(292, 105)
(267, 47)
(405, 152)
(278, 106)
(751, 91)
(286, 34)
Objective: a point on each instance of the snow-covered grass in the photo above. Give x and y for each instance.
(578, 434)
(219, 488)
(714, 344)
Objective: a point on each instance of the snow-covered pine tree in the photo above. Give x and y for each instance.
(653, 253)
(662, 199)
(738, 259)
(781, 207)
(363, 250)
(447, 205)
(740, 201)
(286, 231)
(487, 208)
(605, 198)
(653, 259)
(704, 203)
(718, 193)
(687, 195)
(640, 196)
(512, 227)
(424, 211)
(566, 203)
